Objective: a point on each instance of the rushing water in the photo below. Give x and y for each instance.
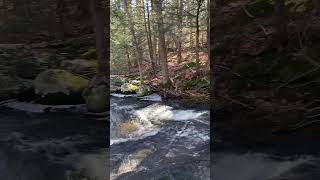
(262, 166)
(155, 140)
(51, 143)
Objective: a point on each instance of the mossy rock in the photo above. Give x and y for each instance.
(143, 90)
(79, 66)
(13, 87)
(55, 86)
(90, 54)
(115, 83)
(128, 88)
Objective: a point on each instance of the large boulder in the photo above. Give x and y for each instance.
(143, 90)
(128, 88)
(13, 87)
(55, 86)
(97, 95)
(79, 66)
(116, 83)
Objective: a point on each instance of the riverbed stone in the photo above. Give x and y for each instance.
(143, 90)
(13, 87)
(96, 95)
(115, 83)
(56, 86)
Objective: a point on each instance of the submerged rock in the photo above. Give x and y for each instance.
(13, 87)
(55, 86)
(143, 90)
(96, 95)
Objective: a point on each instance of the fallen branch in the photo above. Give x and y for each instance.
(237, 102)
(298, 77)
(304, 125)
(7, 101)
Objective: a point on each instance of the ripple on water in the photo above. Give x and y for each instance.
(161, 141)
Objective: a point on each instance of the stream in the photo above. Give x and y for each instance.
(39, 142)
(151, 139)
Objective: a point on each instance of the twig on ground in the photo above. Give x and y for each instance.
(299, 126)
(237, 102)
(7, 101)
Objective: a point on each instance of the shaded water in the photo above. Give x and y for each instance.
(261, 166)
(158, 140)
(51, 142)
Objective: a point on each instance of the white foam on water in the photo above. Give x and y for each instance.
(123, 95)
(152, 97)
(181, 115)
(39, 108)
(149, 118)
(157, 112)
(116, 106)
(140, 134)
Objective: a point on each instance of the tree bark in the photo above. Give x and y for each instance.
(148, 32)
(180, 20)
(138, 53)
(97, 93)
(162, 43)
(199, 3)
(281, 21)
(317, 7)
(129, 62)
(100, 19)
(60, 18)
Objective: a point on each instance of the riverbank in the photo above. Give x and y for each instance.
(187, 83)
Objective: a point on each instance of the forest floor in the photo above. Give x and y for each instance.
(188, 82)
(263, 91)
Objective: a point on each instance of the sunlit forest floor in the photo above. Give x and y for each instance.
(187, 82)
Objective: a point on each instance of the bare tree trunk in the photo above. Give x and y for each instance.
(26, 7)
(5, 10)
(180, 20)
(60, 19)
(100, 16)
(138, 52)
(148, 32)
(199, 3)
(162, 43)
(208, 33)
(155, 48)
(317, 6)
(97, 93)
(191, 39)
(129, 62)
(281, 21)
(83, 8)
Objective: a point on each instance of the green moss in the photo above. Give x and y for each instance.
(198, 83)
(132, 87)
(76, 83)
(90, 54)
